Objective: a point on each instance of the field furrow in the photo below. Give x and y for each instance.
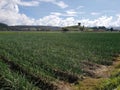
(53, 60)
(54, 72)
(37, 80)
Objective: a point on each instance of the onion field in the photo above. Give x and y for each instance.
(44, 60)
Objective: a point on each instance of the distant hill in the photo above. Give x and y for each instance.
(34, 28)
(4, 27)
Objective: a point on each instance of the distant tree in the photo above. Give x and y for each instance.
(79, 24)
(111, 29)
(95, 28)
(65, 29)
(102, 27)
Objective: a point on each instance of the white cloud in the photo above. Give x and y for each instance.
(71, 13)
(68, 21)
(9, 6)
(116, 22)
(49, 20)
(56, 13)
(9, 14)
(30, 3)
(53, 20)
(56, 20)
(79, 7)
(101, 21)
(58, 3)
(95, 13)
(68, 13)
(61, 4)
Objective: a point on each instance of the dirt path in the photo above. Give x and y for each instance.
(97, 73)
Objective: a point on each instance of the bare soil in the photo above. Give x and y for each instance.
(65, 86)
(95, 70)
(95, 74)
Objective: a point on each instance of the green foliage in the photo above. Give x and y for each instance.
(62, 51)
(118, 87)
(12, 81)
(65, 29)
(109, 84)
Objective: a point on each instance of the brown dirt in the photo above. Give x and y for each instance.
(116, 62)
(70, 78)
(65, 86)
(95, 70)
(95, 74)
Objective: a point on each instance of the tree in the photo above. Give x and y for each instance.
(65, 29)
(102, 27)
(79, 24)
(111, 29)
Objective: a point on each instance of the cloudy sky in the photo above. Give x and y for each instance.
(60, 12)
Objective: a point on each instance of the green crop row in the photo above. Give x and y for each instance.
(60, 51)
(13, 81)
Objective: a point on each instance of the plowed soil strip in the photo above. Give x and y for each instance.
(97, 73)
(95, 70)
(65, 76)
(37, 80)
(61, 75)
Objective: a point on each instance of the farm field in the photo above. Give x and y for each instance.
(47, 60)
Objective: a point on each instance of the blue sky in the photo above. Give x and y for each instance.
(60, 12)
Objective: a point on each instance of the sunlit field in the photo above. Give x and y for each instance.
(37, 60)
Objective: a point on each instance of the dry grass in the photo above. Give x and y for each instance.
(93, 83)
